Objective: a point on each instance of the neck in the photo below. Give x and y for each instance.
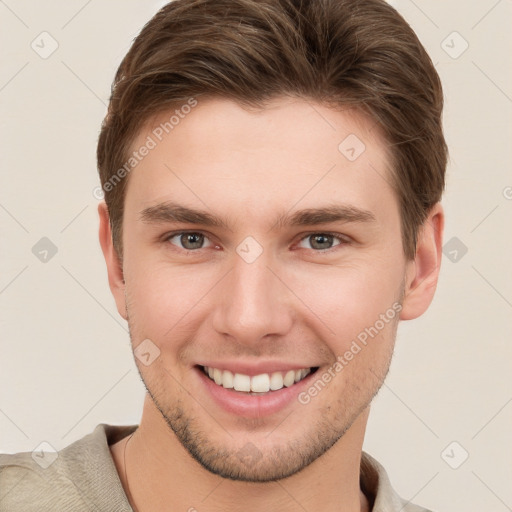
(162, 475)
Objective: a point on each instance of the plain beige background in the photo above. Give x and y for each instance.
(66, 364)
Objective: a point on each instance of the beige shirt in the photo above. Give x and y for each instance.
(83, 478)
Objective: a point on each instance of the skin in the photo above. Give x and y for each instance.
(293, 303)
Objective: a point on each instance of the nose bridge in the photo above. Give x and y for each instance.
(254, 302)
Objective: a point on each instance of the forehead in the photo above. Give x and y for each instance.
(220, 155)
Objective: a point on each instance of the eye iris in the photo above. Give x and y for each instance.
(192, 240)
(321, 241)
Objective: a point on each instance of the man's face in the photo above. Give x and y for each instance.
(265, 290)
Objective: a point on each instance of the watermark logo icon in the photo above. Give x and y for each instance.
(352, 147)
(98, 193)
(455, 249)
(249, 249)
(44, 454)
(454, 45)
(44, 45)
(455, 455)
(44, 250)
(146, 352)
(249, 454)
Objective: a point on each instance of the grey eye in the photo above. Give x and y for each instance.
(189, 241)
(320, 241)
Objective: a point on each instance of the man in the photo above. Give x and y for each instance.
(272, 174)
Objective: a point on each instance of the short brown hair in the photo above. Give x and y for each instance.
(359, 53)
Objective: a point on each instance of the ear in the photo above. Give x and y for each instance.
(423, 272)
(114, 265)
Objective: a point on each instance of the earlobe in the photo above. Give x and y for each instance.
(114, 266)
(423, 272)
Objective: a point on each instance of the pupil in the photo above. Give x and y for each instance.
(192, 240)
(320, 241)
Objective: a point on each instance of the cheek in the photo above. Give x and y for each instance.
(164, 299)
(165, 305)
(347, 299)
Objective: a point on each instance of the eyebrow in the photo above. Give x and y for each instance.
(174, 212)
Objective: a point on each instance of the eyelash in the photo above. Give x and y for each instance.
(343, 240)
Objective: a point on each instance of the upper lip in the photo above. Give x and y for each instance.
(256, 368)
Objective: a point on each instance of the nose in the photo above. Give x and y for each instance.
(253, 303)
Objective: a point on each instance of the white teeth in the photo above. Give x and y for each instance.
(217, 376)
(276, 381)
(242, 382)
(262, 383)
(289, 378)
(227, 379)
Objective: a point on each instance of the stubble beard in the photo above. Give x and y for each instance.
(250, 463)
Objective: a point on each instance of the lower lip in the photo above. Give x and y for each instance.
(252, 406)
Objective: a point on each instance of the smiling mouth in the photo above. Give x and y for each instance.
(257, 384)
